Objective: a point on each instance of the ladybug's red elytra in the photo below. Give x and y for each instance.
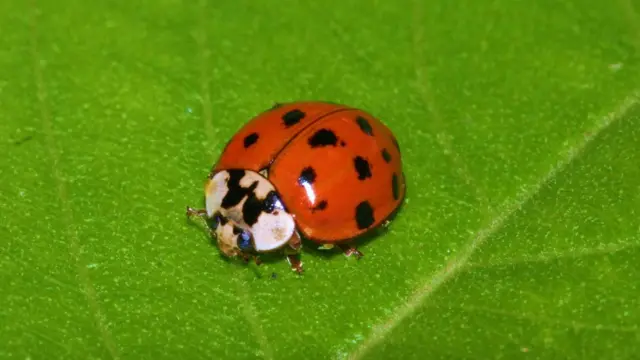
(317, 170)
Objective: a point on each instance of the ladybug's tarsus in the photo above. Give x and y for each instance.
(296, 264)
(350, 250)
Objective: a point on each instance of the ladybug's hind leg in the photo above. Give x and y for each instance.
(350, 250)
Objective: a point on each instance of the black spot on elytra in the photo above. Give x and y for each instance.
(307, 176)
(342, 143)
(321, 206)
(364, 215)
(386, 156)
(250, 139)
(362, 167)
(395, 142)
(323, 137)
(236, 192)
(395, 191)
(293, 117)
(364, 125)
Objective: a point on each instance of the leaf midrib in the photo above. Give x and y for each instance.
(511, 207)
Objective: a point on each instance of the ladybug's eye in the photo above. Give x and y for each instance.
(244, 241)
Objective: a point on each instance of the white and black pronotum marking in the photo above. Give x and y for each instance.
(248, 212)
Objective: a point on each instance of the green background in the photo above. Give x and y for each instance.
(520, 128)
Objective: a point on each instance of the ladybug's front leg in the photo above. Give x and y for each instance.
(196, 212)
(246, 257)
(292, 250)
(295, 262)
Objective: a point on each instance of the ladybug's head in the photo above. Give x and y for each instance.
(247, 211)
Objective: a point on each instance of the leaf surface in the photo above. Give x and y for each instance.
(520, 130)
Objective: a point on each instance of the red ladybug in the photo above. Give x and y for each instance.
(325, 171)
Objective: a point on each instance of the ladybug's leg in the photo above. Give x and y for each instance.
(295, 243)
(196, 212)
(350, 250)
(296, 264)
(246, 257)
(292, 250)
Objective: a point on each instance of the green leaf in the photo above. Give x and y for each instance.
(520, 129)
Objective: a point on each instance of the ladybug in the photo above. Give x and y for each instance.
(316, 170)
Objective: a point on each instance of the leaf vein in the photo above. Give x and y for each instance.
(547, 257)
(443, 138)
(577, 325)
(248, 310)
(459, 263)
(67, 212)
